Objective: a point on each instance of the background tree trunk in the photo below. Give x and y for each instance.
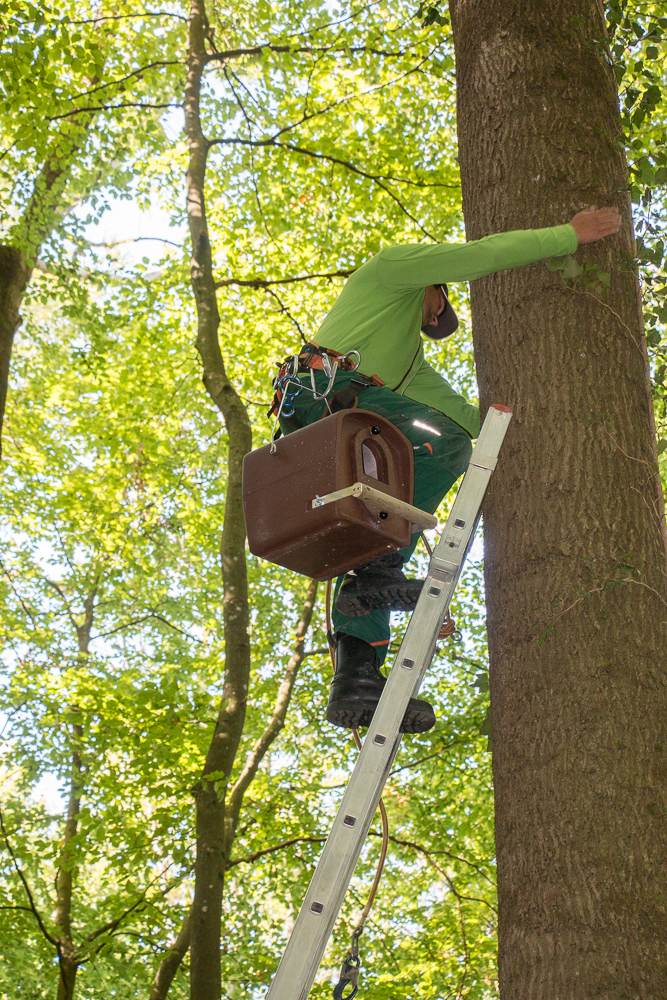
(36, 224)
(69, 958)
(234, 800)
(14, 276)
(574, 521)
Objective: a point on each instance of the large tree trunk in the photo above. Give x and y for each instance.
(574, 521)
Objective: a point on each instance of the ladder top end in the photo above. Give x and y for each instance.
(499, 406)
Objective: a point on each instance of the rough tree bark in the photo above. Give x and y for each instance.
(574, 521)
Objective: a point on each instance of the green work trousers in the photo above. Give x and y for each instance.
(442, 452)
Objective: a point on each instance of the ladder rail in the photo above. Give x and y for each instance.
(324, 897)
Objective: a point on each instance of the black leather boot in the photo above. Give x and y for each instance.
(357, 686)
(381, 584)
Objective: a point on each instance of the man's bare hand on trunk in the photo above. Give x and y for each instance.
(595, 223)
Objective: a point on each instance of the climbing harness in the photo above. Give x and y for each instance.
(326, 892)
(287, 386)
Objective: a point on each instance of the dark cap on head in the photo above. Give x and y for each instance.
(447, 323)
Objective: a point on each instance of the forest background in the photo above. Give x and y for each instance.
(333, 134)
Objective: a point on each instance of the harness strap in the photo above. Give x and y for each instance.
(311, 357)
(346, 397)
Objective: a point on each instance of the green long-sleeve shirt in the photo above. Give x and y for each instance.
(379, 311)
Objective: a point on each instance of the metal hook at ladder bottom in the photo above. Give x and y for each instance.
(349, 975)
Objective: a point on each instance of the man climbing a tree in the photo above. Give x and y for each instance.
(381, 312)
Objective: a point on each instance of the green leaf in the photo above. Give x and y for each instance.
(571, 268)
(485, 728)
(481, 682)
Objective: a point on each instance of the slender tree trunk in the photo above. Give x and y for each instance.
(67, 952)
(68, 967)
(68, 957)
(205, 983)
(574, 521)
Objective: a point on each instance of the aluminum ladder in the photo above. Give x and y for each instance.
(302, 957)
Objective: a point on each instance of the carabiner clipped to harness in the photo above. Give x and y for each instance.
(330, 372)
(349, 975)
(312, 358)
(285, 378)
(348, 356)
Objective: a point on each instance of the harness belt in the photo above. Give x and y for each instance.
(311, 359)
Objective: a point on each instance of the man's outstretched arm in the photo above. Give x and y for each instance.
(417, 266)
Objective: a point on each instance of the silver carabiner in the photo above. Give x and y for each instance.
(332, 376)
(291, 367)
(347, 356)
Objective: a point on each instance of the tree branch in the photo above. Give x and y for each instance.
(271, 850)
(422, 760)
(272, 144)
(25, 607)
(144, 618)
(32, 908)
(169, 965)
(123, 17)
(108, 107)
(282, 308)
(265, 282)
(257, 50)
(111, 925)
(430, 853)
(276, 723)
(122, 79)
